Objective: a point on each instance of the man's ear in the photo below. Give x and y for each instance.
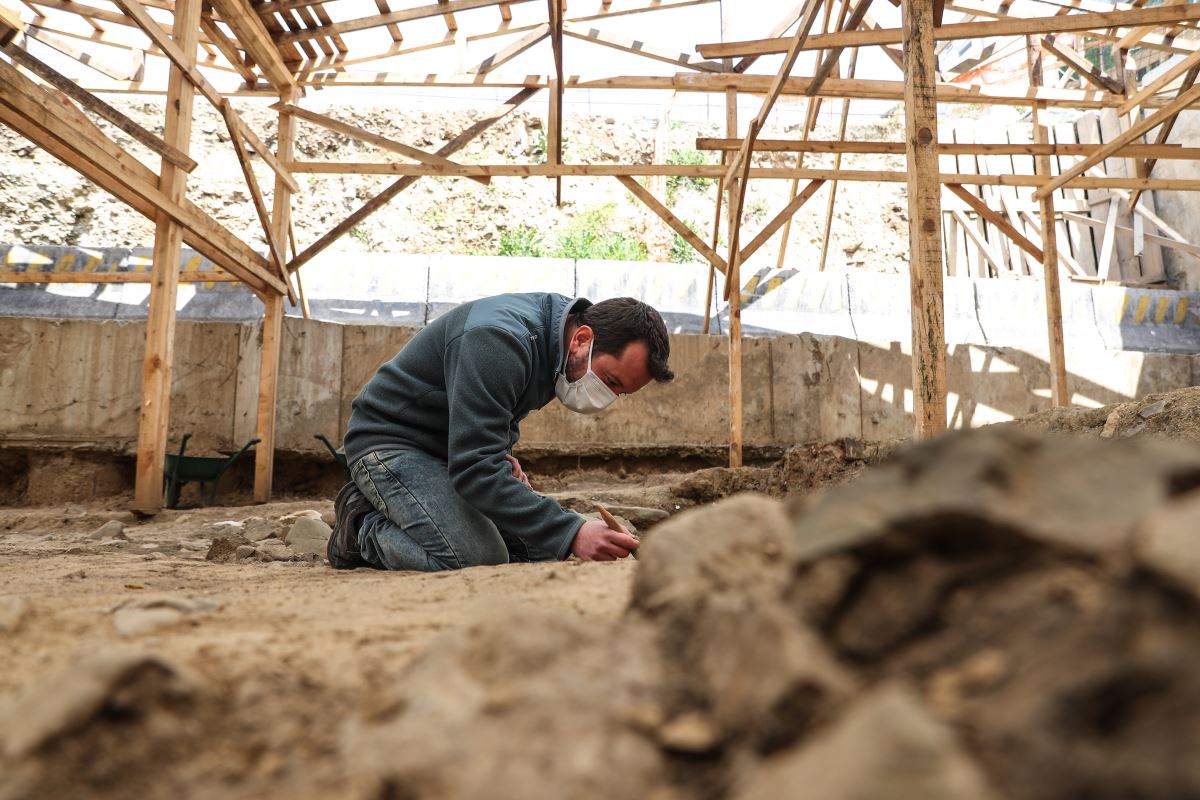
(583, 337)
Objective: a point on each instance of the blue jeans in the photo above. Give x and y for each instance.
(419, 521)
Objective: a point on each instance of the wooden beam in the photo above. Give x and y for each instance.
(925, 218)
(228, 49)
(831, 58)
(207, 276)
(137, 11)
(1137, 34)
(252, 35)
(779, 219)
(154, 415)
(785, 69)
(555, 123)
(386, 196)
(451, 23)
(733, 292)
(1165, 241)
(1059, 393)
(1169, 151)
(714, 171)
(974, 235)
(355, 132)
(641, 48)
(11, 24)
(1084, 68)
(53, 123)
(678, 225)
(1159, 83)
(1013, 26)
(272, 338)
(268, 387)
(867, 89)
(787, 21)
(1164, 133)
(381, 20)
(996, 218)
(837, 164)
(87, 59)
(99, 107)
(1131, 134)
(511, 51)
(260, 206)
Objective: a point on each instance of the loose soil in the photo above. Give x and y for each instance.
(996, 614)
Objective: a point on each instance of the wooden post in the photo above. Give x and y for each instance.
(731, 273)
(272, 331)
(1054, 323)
(155, 414)
(924, 220)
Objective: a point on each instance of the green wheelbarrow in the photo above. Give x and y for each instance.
(339, 454)
(181, 469)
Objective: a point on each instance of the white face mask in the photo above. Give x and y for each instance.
(588, 395)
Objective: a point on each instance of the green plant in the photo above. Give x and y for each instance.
(756, 210)
(691, 157)
(681, 251)
(363, 236)
(540, 146)
(537, 148)
(588, 236)
(520, 241)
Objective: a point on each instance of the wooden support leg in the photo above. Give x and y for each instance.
(268, 384)
(268, 380)
(155, 413)
(1054, 322)
(925, 219)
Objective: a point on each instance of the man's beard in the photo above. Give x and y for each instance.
(576, 366)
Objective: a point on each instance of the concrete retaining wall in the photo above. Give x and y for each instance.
(77, 383)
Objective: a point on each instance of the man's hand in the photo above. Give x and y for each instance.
(518, 473)
(598, 542)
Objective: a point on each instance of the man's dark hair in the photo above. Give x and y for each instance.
(617, 322)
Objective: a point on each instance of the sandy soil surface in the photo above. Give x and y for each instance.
(291, 646)
(1005, 613)
(271, 652)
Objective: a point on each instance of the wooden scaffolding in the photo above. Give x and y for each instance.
(283, 48)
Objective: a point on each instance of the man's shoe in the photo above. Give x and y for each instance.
(349, 509)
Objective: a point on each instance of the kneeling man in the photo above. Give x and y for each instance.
(430, 438)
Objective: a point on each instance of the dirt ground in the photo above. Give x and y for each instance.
(997, 614)
(286, 650)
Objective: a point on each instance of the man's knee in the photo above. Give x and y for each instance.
(486, 550)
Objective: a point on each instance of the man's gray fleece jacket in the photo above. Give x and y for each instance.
(458, 391)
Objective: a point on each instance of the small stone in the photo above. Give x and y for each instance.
(12, 611)
(245, 551)
(275, 549)
(329, 518)
(887, 744)
(1111, 425)
(256, 529)
(1168, 542)
(120, 680)
(1152, 409)
(691, 732)
(639, 516)
(308, 535)
(113, 529)
(224, 548)
(138, 621)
